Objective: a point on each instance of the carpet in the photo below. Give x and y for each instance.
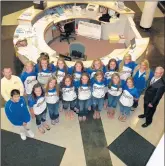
(94, 142)
(16, 152)
(93, 48)
(132, 148)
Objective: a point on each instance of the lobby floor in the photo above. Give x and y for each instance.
(85, 143)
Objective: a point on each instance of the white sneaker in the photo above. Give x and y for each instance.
(30, 133)
(23, 136)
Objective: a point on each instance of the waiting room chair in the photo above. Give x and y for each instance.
(77, 51)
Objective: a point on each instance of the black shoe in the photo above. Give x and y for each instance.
(145, 125)
(141, 116)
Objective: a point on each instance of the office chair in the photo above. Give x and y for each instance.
(65, 34)
(77, 51)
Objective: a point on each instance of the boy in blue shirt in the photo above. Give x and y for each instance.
(18, 114)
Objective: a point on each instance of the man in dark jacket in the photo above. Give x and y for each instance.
(152, 96)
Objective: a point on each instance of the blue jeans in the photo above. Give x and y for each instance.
(83, 107)
(53, 110)
(41, 118)
(112, 101)
(97, 103)
(69, 104)
(124, 109)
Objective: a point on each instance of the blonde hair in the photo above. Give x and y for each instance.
(123, 61)
(56, 86)
(145, 61)
(65, 65)
(29, 63)
(93, 63)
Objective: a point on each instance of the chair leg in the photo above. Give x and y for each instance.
(68, 40)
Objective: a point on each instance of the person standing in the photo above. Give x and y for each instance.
(152, 96)
(10, 82)
(18, 114)
(142, 75)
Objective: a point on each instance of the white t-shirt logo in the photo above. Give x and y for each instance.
(43, 77)
(29, 83)
(114, 91)
(40, 106)
(69, 94)
(84, 93)
(93, 74)
(108, 74)
(51, 97)
(125, 73)
(126, 99)
(98, 91)
(76, 76)
(60, 76)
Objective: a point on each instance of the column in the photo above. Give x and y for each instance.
(148, 14)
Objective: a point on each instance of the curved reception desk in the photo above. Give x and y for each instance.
(38, 27)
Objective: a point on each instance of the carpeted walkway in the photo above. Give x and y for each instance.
(93, 48)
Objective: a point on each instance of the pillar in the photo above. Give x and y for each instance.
(148, 14)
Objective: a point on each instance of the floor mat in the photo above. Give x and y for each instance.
(28, 153)
(94, 142)
(132, 148)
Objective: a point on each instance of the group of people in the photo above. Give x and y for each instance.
(77, 90)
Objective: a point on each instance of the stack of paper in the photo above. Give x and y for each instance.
(30, 52)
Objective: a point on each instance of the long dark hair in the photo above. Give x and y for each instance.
(67, 76)
(85, 74)
(45, 59)
(38, 85)
(112, 60)
(82, 65)
(43, 55)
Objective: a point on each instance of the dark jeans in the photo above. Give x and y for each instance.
(53, 110)
(97, 103)
(136, 102)
(149, 112)
(41, 118)
(83, 107)
(69, 104)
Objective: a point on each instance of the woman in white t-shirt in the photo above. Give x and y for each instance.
(52, 99)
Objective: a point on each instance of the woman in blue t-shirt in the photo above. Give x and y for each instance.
(38, 107)
(142, 75)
